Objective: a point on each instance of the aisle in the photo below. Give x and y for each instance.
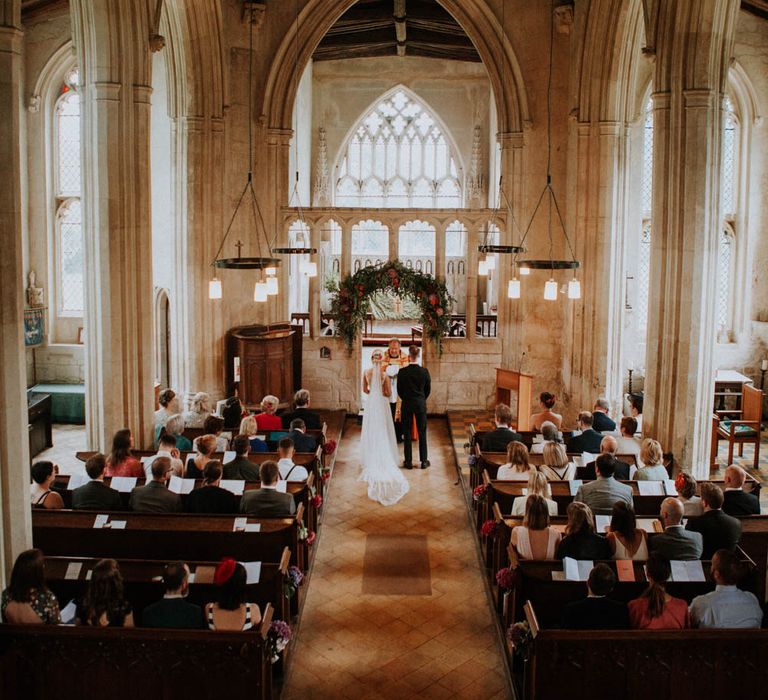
(396, 607)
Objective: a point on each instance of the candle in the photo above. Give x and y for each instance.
(764, 366)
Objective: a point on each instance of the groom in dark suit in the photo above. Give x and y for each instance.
(413, 387)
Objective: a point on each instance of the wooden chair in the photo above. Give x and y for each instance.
(739, 431)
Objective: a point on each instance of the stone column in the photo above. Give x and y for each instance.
(116, 216)
(693, 44)
(15, 518)
(475, 236)
(346, 249)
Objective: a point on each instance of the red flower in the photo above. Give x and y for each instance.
(488, 528)
(329, 447)
(317, 501)
(433, 299)
(360, 287)
(505, 578)
(311, 537)
(439, 312)
(325, 475)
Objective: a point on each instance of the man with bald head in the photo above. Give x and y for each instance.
(736, 501)
(608, 446)
(675, 542)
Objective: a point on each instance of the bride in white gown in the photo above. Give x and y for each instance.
(378, 445)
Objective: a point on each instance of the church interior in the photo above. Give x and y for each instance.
(218, 208)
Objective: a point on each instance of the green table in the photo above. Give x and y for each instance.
(68, 401)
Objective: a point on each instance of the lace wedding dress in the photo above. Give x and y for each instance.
(378, 445)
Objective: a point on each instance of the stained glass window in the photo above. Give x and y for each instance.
(398, 156)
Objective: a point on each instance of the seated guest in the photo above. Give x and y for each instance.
(626, 540)
(675, 543)
(210, 497)
(601, 421)
(231, 612)
(608, 446)
(517, 467)
(652, 458)
(96, 495)
(205, 448)
(215, 426)
(267, 420)
(166, 447)
(288, 470)
(537, 486)
(27, 600)
(555, 464)
(267, 502)
(601, 494)
(718, 529)
(596, 611)
(121, 461)
(627, 443)
(589, 439)
(547, 403)
(301, 410)
(175, 426)
(172, 611)
(636, 410)
(249, 427)
(535, 538)
(581, 541)
(549, 433)
(198, 412)
(655, 609)
(498, 439)
(685, 485)
(726, 607)
(155, 497)
(104, 604)
(301, 441)
(41, 489)
(241, 467)
(169, 406)
(232, 413)
(736, 501)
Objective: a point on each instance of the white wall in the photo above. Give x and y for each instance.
(301, 145)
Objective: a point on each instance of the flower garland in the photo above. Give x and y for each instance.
(350, 300)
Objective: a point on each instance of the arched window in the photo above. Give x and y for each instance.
(70, 296)
(643, 270)
(398, 156)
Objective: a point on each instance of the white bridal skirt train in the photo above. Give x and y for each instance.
(378, 446)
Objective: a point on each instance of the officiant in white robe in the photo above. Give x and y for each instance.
(395, 359)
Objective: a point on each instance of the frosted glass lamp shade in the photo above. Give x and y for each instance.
(550, 290)
(490, 261)
(260, 291)
(270, 271)
(214, 288)
(525, 270)
(574, 289)
(482, 268)
(272, 287)
(513, 289)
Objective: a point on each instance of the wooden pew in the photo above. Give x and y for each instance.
(647, 664)
(143, 584)
(527, 436)
(193, 433)
(168, 537)
(72, 663)
(302, 492)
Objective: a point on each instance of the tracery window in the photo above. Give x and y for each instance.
(643, 271)
(726, 248)
(70, 296)
(398, 156)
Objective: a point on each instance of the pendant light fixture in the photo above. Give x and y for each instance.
(551, 264)
(264, 260)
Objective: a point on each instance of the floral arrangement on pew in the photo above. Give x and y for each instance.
(505, 578)
(317, 501)
(350, 299)
(480, 493)
(278, 637)
(519, 636)
(489, 528)
(472, 462)
(311, 537)
(329, 447)
(325, 473)
(293, 580)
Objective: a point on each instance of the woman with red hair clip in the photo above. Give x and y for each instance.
(231, 612)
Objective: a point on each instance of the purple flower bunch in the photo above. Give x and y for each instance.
(279, 636)
(505, 578)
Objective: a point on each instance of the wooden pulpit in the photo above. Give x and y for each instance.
(509, 382)
(263, 360)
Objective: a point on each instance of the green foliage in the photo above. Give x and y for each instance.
(351, 302)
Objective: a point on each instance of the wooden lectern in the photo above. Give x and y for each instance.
(263, 360)
(507, 382)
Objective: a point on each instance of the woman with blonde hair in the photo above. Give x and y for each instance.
(249, 427)
(652, 457)
(535, 538)
(267, 420)
(517, 467)
(199, 410)
(556, 466)
(537, 486)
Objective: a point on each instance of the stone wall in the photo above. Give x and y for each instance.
(63, 364)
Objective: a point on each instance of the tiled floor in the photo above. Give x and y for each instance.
(67, 440)
(351, 645)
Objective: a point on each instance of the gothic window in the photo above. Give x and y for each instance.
(725, 260)
(69, 230)
(370, 238)
(398, 156)
(298, 295)
(643, 276)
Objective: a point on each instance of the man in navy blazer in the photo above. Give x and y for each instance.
(413, 386)
(601, 421)
(597, 611)
(736, 501)
(301, 441)
(589, 440)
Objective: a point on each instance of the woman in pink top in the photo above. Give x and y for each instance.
(655, 609)
(120, 461)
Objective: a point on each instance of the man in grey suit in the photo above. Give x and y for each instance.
(267, 502)
(155, 496)
(96, 495)
(603, 492)
(676, 542)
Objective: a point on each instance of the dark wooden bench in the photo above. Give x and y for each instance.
(143, 583)
(168, 537)
(38, 662)
(193, 433)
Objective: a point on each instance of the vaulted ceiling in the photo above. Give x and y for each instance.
(396, 28)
